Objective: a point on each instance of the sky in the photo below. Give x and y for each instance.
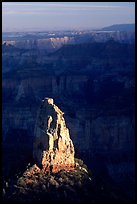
(43, 16)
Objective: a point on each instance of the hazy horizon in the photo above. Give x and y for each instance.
(45, 16)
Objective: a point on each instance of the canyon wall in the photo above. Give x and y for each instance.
(93, 84)
(94, 126)
(52, 44)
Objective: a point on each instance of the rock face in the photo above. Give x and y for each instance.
(53, 148)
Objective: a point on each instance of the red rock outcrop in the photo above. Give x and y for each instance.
(53, 148)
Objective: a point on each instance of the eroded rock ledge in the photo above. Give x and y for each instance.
(53, 148)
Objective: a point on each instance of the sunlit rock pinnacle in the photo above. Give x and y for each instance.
(53, 148)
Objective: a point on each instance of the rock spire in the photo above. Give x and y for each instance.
(53, 148)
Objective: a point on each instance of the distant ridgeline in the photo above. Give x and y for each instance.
(51, 41)
(120, 27)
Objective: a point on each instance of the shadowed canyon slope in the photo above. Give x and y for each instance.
(93, 84)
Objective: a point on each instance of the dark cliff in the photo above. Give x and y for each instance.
(94, 85)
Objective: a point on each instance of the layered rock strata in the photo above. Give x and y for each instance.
(53, 148)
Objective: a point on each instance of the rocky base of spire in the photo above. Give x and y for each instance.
(36, 184)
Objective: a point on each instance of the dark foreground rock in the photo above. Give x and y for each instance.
(37, 185)
(74, 186)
